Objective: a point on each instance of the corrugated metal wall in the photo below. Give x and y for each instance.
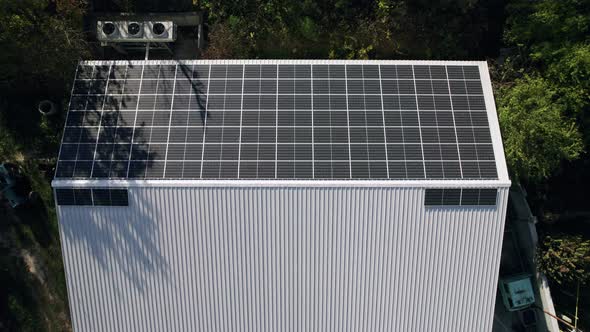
(281, 259)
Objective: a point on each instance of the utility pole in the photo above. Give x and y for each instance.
(577, 301)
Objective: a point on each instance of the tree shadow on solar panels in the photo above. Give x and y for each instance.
(197, 89)
(106, 137)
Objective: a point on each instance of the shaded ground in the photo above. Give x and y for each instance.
(33, 294)
(517, 257)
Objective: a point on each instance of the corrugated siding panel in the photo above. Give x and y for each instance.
(282, 259)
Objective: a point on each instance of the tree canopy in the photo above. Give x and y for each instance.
(565, 259)
(537, 133)
(358, 29)
(40, 42)
(544, 95)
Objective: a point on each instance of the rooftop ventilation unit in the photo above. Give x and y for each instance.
(132, 31)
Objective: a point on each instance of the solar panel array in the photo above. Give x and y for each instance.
(278, 121)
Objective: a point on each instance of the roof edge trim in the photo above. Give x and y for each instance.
(282, 61)
(285, 183)
(494, 123)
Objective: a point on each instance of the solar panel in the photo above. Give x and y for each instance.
(200, 120)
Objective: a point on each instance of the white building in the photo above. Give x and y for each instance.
(274, 195)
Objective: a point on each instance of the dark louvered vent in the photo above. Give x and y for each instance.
(92, 196)
(460, 197)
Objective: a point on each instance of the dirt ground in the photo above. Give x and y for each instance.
(33, 295)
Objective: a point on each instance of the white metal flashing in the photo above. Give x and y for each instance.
(283, 183)
(283, 61)
(488, 94)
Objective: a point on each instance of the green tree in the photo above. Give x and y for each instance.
(545, 30)
(544, 101)
(565, 259)
(40, 40)
(537, 134)
(381, 29)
